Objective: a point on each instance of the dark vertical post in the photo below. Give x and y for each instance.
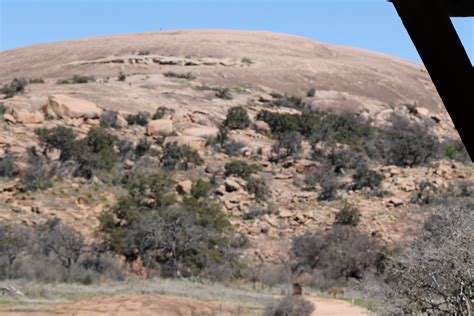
(431, 30)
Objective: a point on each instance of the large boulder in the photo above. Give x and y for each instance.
(191, 141)
(205, 132)
(159, 127)
(28, 117)
(66, 106)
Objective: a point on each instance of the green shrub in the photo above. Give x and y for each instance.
(290, 102)
(455, 150)
(77, 79)
(342, 252)
(233, 147)
(366, 178)
(240, 168)
(36, 81)
(237, 118)
(171, 74)
(290, 306)
(311, 92)
(3, 109)
(348, 215)
(289, 145)
(60, 137)
(109, 119)
(409, 144)
(426, 194)
(187, 238)
(14, 87)
(201, 189)
(121, 76)
(8, 168)
(161, 112)
(38, 174)
(223, 93)
(142, 148)
(179, 157)
(258, 188)
(141, 118)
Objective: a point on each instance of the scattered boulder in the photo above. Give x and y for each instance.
(232, 184)
(191, 141)
(28, 117)
(9, 118)
(158, 127)
(184, 187)
(261, 127)
(394, 202)
(66, 106)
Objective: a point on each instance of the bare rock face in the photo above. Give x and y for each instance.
(261, 127)
(159, 127)
(9, 118)
(205, 132)
(191, 141)
(184, 187)
(67, 106)
(28, 117)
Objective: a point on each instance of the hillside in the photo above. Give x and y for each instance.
(280, 132)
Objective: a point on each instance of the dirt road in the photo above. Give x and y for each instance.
(163, 305)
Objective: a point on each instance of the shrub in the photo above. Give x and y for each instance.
(246, 60)
(348, 215)
(121, 76)
(141, 118)
(366, 178)
(95, 152)
(311, 92)
(179, 157)
(60, 137)
(200, 189)
(179, 239)
(409, 144)
(14, 87)
(142, 148)
(233, 147)
(342, 252)
(13, 241)
(38, 174)
(290, 306)
(258, 188)
(290, 102)
(427, 193)
(35, 80)
(329, 188)
(77, 79)
(3, 109)
(455, 150)
(108, 119)
(171, 74)
(237, 118)
(222, 135)
(240, 168)
(223, 93)
(289, 144)
(8, 167)
(161, 112)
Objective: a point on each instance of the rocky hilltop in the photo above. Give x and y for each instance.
(195, 78)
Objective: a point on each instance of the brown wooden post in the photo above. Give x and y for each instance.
(431, 30)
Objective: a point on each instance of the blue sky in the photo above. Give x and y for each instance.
(371, 24)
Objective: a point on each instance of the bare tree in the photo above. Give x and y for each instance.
(435, 274)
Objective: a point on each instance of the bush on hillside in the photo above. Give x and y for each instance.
(201, 189)
(237, 118)
(289, 145)
(8, 167)
(258, 188)
(366, 178)
(14, 87)
(38, 174)
(343, 252)
(223, 93)
(141, 118)
(180, 157)
(240, 168)
(348, 215)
